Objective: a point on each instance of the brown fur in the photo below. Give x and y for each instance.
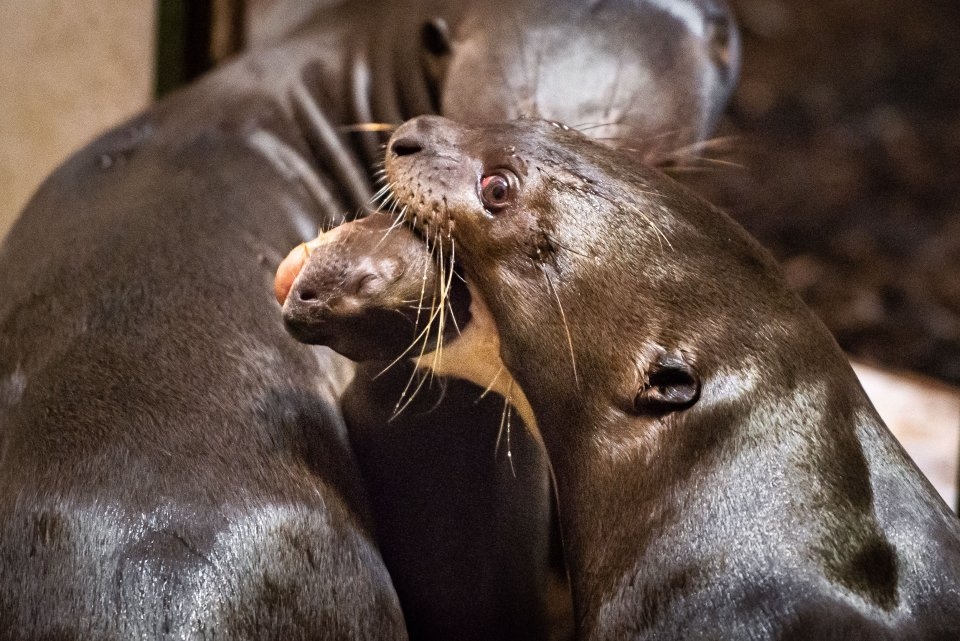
(719, 469)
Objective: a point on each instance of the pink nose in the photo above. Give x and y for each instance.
(288, 271)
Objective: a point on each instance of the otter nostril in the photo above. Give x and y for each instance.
(406, 147)
(307, 295)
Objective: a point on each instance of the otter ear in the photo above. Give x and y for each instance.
(671, 384)
(435, 37)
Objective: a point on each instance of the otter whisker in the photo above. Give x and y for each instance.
(587, 126)
(708, 144)
(690, 169)
(493, 382)
(434, 311)
(453, 262)
(424, 333)
(379, 172)
(383, 193)
(398, 221)
(424, 376)
(555, 243)
(321, 133)
(404, 401)
(362, 127)
(563, 317)
(607, 122)
(661, 237)
(646, 140)
(423, 278)
(443, 381)
(444, 283)
(695, 160)
(505, 423)
(393, 210)
(613, 91)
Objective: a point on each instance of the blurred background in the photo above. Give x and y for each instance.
(839, 152)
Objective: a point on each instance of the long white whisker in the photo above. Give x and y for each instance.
(563, 317)
(489, 387)
(434, 310)
(505, 423)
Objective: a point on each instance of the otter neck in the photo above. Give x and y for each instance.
(474, 356)
(632, 502)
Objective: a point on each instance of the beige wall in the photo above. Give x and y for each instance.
(68, 70)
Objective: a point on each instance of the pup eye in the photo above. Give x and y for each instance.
(496, 190)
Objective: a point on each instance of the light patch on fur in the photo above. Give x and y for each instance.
(686, 12)
(728, 383)
(605, 83)
(339, 372)
(628, 446)
(12, 388)
(293, 167)
(302, 222)
(692, 17)
(474, 356)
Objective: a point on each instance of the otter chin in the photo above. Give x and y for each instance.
(717, 464)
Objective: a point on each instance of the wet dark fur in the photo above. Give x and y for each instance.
(677, 102)
(171, 463)
(371, 292)
(720, 472)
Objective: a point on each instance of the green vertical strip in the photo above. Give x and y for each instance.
(183, 42)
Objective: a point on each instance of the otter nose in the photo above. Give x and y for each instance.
(406, 146)
(424, 133)
(288, 271)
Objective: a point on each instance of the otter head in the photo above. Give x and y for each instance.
(364, 289)
(650, 74)
(611, 290)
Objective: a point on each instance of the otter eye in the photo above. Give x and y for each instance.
(496, 190)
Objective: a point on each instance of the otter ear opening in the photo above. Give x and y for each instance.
(435, 37)
(671, 384)
(722, 42)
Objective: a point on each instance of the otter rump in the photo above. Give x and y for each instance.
(719, 469)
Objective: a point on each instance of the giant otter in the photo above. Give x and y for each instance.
(720, 472)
